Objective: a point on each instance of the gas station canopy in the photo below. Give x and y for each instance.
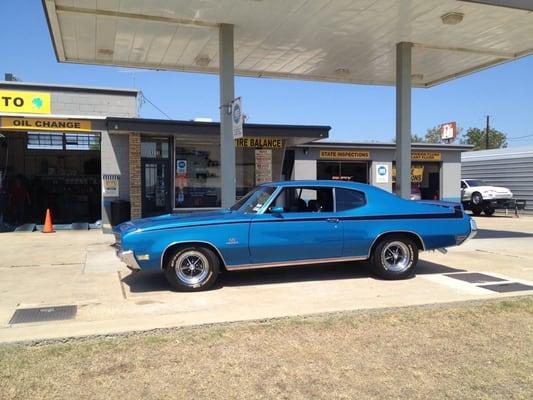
(337, 41)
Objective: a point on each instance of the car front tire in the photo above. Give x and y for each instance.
(394, 257)
(477, 199)
(192, 269)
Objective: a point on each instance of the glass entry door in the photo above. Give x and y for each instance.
(155, 176)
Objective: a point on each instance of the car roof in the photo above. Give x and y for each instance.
(320, 183)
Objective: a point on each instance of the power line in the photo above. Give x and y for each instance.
(144, 98)
(520, 137)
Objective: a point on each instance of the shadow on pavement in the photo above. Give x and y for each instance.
(494, 234)
(154, 281)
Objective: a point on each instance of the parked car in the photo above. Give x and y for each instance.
(293, 223)
(479, 196)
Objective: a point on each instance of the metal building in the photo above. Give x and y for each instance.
(511, 168)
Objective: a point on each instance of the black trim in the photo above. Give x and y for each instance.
(143, 125)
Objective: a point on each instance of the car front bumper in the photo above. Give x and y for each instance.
(128, 258)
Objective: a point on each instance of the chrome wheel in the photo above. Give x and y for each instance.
(396, 256)
(192, 267)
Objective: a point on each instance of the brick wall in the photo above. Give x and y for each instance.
(135, 174)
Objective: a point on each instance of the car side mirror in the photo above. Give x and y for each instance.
(276, 210)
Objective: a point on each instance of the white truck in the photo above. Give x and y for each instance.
(479, 196)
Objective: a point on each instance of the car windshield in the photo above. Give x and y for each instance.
(475, 182)
(252, 202)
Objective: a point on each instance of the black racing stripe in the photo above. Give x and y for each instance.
(455, 214)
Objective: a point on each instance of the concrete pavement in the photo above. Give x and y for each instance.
(80, 268)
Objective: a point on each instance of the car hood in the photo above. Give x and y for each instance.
(496, 189)
(167, 221)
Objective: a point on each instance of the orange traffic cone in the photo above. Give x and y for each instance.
(48, 227)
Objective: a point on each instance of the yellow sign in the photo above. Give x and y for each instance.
(426, 156)
(270, 143)
(417, 173)
(25, 102)
(45, 124)
(345, 154)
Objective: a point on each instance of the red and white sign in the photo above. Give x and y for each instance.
(448, 131)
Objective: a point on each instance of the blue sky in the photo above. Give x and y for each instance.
(355, 112)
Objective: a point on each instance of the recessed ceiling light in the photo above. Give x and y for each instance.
(202, 61)
(452, 18)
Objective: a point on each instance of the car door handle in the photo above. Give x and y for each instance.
(333, 220)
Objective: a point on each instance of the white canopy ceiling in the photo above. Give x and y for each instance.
(325, 40)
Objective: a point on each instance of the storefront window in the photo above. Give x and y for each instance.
(197, 167)
(258, 160)
(354, 171)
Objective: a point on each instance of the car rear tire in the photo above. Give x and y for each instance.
(192, 269)
(394, 257)
(489, 211)
(477, 211)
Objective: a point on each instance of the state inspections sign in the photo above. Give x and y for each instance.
(237, 118)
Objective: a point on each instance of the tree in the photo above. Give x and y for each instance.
(433, 135)
(476, 137)
(416, 139)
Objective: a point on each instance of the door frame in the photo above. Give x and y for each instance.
(170, 175)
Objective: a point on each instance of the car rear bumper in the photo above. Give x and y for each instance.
(128, 258)
(473, 232)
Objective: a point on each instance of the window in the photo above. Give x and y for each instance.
(306, 199)
(254, 200)
(475, 182)
(63, 141)
(76, 141)
(45, 141)
(348, 199)
(463, 185)
(197, 167)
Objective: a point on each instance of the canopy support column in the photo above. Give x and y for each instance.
(403, 119)
(227, 94)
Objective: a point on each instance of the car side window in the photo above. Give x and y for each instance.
(348, 199)
(463, 185)
(305, 199)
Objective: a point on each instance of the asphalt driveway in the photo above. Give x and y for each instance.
(79, 269)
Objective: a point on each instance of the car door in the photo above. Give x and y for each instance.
(352, 207)
(306, 229)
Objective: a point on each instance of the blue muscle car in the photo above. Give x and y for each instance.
(293, 223)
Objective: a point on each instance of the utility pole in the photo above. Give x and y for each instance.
(487, 134)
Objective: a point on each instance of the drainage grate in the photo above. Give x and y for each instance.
(507, 287)
(475, 277)
(42, 314)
